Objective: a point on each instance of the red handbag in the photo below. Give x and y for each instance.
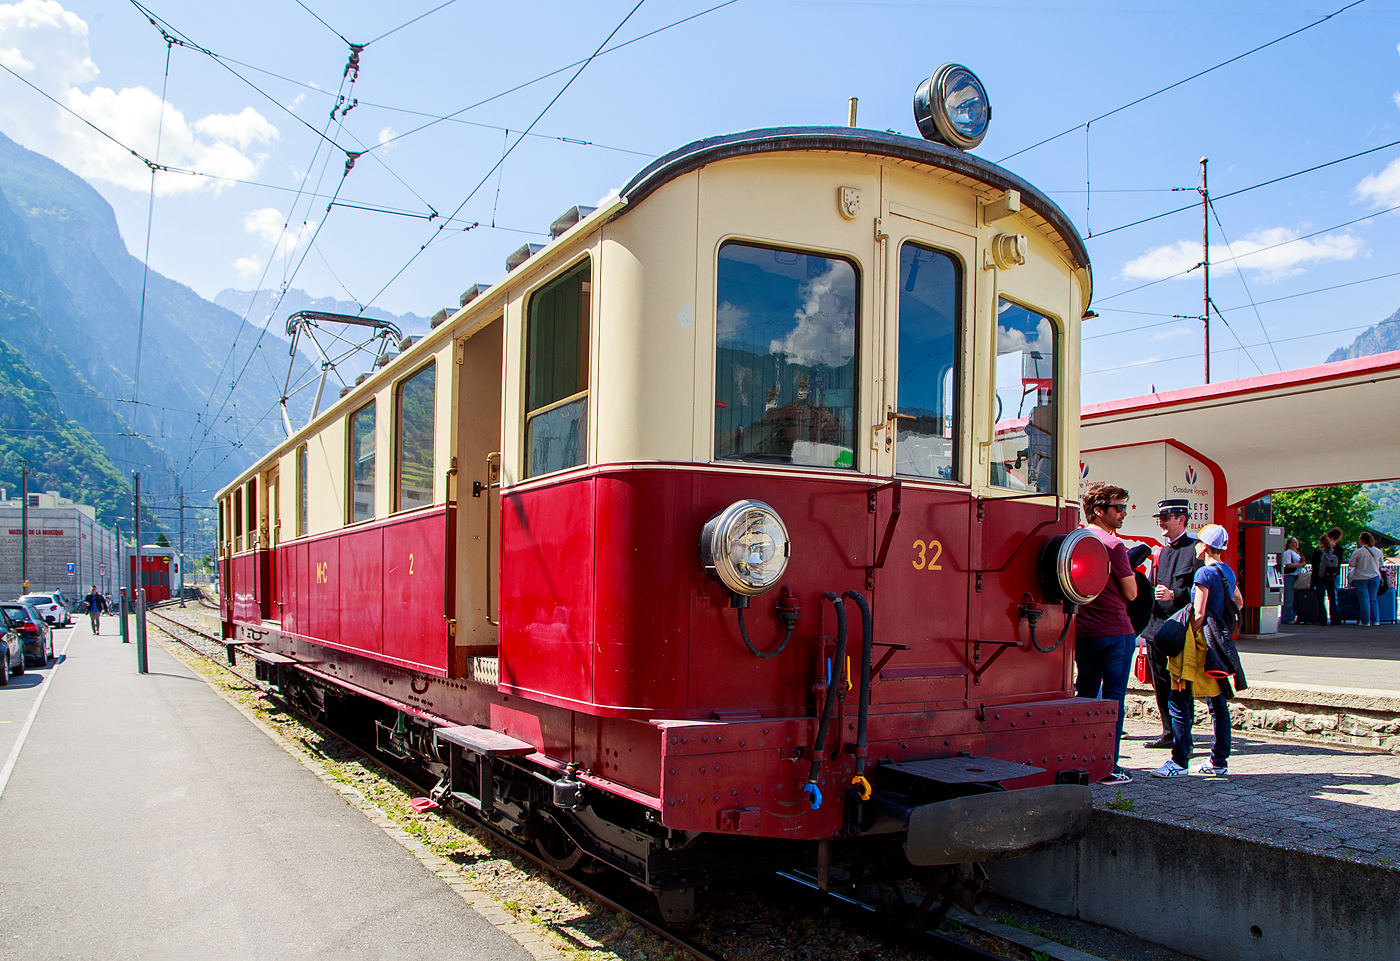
(1141, 669)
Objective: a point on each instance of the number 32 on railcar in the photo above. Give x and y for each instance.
(732, 530)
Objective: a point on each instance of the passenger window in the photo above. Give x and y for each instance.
(252, 507)
(362, 464)
(1023, 444)
(785, 357)
(930, 369)
(223, 525)
(414, 456)
(556, 374)
(301, 490)
(238, 519)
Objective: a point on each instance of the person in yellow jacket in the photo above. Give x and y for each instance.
(1206, 662)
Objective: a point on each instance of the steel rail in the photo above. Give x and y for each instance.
(941, 946)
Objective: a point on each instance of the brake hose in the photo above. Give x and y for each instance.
(867, 643)
(1034, 615)
(833, 675)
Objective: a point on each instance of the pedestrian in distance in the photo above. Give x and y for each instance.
(1365, 566)
(96, 607)
(1326, 563)
(1172, 578)
(1209, 660)
(1104, 636)
(1292, 563)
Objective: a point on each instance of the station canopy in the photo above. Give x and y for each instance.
(1336, 423)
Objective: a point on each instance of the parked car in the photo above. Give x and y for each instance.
(11, 647)
(35, 634)
(51, 608)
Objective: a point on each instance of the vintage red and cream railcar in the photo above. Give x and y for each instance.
(599, 537)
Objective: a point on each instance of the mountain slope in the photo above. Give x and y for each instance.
(62, 255)
(62, 454)
(1379, 339)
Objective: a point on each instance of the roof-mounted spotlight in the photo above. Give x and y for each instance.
(952, 107)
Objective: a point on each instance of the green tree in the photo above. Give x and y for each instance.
(162, 540)
(1308, 514)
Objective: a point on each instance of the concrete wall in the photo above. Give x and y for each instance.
(1212, 897)
(58, 536)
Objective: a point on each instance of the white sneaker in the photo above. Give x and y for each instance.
(1207, 768)
(1170, 769)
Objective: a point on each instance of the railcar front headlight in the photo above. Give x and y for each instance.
(952, 106)
(746, 546)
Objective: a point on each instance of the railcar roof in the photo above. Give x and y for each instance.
(1056, 226)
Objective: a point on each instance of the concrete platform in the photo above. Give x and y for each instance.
(1345, 656)
(144, 817)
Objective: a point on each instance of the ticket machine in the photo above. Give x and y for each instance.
(1261, 578)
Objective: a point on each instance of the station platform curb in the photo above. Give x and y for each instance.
(1347, 717)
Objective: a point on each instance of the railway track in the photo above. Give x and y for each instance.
(213, 649)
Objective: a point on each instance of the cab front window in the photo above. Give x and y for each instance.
(785, 357)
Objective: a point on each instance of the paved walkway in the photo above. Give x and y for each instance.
(1328, 800)
(146, 818)
(1346, 656)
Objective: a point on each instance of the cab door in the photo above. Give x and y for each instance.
(921, 437)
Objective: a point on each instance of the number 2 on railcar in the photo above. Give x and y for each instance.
(735, 529)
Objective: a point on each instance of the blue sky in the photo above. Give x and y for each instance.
(1328, 92)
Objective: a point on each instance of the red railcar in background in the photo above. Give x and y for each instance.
(734, 529)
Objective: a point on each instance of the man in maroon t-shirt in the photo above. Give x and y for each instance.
(1104, 637)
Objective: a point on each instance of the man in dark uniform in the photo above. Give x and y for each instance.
(1171, 579)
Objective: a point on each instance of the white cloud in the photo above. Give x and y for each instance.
(823, 334)
(268, 223)
(248, 267)
(386, 135)
(1271, 254)
(238, 128)
(1382, 189)
(608, 197)
(1174, 332)
(48, 46)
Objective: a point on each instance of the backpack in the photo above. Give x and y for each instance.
(1230, 620)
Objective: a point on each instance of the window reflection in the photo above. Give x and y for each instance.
(362, 464)
(1023, 445)
(929, 369)
(785, 359)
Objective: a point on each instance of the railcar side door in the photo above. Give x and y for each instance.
(921, 439)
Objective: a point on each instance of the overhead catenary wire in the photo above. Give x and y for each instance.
(555, 99)
(577, 63)
(1235, 258)
(150, 219)
(1257, 316)
(1243, 190)
(1196, 355)
(1185, 80)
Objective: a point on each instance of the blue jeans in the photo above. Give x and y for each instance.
(1103, 672)
(1366, 602)
(1183, 712)
(1288, 581)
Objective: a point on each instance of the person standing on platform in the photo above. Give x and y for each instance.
(1365, 565)
(1104, 637)
(1292, 560)
(1172, 577)
(1326, 562)
(1208, 661)
(97, 606)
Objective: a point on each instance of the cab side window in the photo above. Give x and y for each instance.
(301, 490)
(556, 374)
(785, 357)
(1027, 388)
(930, 369)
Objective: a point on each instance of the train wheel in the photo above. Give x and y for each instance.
(557, 849)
